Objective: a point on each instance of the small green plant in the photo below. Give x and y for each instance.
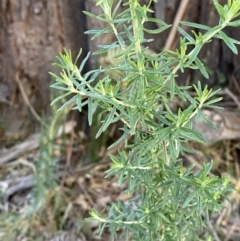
(169, 201)
(47, 197)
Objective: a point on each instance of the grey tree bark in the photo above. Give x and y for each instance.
(32, 33)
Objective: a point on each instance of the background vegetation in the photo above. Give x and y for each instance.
(74, 183)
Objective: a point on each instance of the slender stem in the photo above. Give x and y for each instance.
(136, 31)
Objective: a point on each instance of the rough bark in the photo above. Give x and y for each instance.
(32, 32)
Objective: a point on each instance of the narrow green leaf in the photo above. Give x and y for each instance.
(212, 93)
(210, 197)
(206, 120)
(60, 97)
(201, 68)
(162, 133)
(190, 197)
(78, 56)
(208, 167)
(171, 118)
(128, 33)
(100, 51)
(100, 131)
(114, 45)
(231, 39)
(194, 53)
(109, 119)
(180, 93)
(156, 31)
(189, 98)
(172, 86)
(120, 39)
(160, 117)
(58, 87)
(234, 23)
(198, 89)
(185, 116)
(84, 62)
(210, 102)
(67, 103)
(159, 21)
(186, 35)
(61, 64)
(215, 107)
(212, 32)
(57, 78)
(228, 42)
(164, 217)
(220, 10)
(195, 25)
(82, 105)
(90, 110)
(99, 18)
(79, 102)
(191, 135)
(116, 9)
(198, 115)
(173, 153)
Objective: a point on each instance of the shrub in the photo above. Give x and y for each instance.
(169, 200)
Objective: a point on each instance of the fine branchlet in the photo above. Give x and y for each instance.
(170, 202)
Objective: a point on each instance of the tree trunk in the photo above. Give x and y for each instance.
(32, 33)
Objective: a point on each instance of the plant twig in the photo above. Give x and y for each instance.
(179, 15)
(232, 96)
(26, 100)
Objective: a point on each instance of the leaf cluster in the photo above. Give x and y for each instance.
(169, 200)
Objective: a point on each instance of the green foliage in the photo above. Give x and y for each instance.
(169, 200)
